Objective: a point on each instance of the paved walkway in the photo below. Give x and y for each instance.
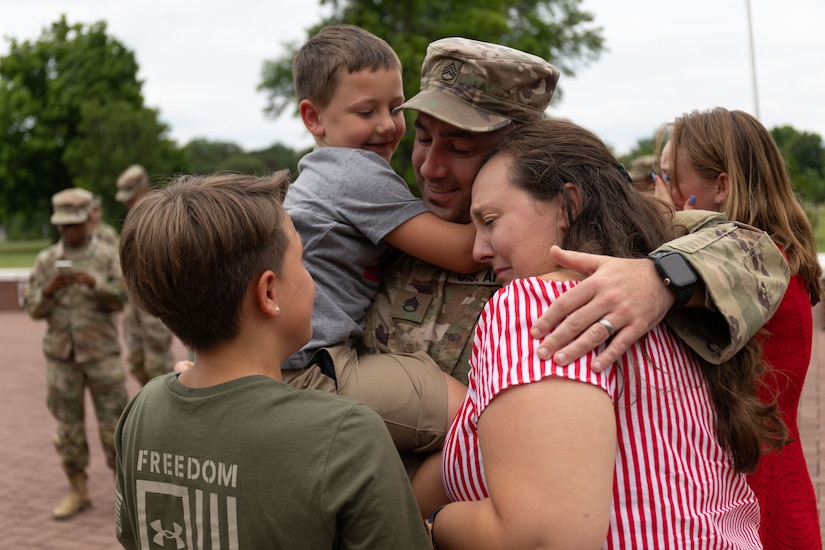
(812, 414)
(31, 481)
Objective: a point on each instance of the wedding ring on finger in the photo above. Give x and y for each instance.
(608, 325)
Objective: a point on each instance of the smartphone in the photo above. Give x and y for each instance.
(63, 265)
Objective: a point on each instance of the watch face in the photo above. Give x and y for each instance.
(676, 268)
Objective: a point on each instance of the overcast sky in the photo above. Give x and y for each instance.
(201, 61)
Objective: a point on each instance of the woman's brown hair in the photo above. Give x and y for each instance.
(615, 219)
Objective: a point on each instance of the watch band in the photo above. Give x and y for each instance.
(429, 523)
(683, 295)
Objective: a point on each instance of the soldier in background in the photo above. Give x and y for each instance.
(641, 172)
(100, 228)
(77, 286)
(148, 340)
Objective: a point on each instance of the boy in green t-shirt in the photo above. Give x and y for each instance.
(225, 453)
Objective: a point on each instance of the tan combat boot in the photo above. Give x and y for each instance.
(76, 501)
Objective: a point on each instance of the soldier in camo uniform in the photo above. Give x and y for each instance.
(148, 340)
(102, 230)
(641, 172)
(76, 285)
(471, 94)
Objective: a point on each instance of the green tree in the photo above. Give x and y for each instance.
(805, 155)
(556, 30)
(280, 157)
(210, 156)
(72, 114)
(643, 147)
(215, 156)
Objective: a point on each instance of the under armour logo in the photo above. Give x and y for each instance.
(411, 305)
(164, 534)
(449, 73)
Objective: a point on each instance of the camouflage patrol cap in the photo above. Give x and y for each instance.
(131, 181)
(71, 206)
(642, 167)
(481, 87)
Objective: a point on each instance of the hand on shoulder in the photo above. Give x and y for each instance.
(626, 293)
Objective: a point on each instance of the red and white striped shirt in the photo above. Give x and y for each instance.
(674, 485)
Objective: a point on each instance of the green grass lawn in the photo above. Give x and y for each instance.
(20, 253)
(819, 227)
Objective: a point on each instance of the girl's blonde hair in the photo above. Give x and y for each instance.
(760, 190)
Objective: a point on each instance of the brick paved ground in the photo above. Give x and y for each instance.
(31, 481)
(812, 414)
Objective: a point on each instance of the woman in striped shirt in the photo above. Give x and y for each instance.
(649, 453)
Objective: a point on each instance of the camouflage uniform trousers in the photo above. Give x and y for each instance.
(149, 345)
(67, 383)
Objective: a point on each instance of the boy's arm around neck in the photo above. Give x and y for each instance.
(442, 243)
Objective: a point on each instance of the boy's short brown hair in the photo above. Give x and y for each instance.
(317, 65)
(190, 250)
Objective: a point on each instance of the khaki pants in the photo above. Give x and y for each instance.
(408, 391)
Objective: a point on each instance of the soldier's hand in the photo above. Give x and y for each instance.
(84, 278)
(57, 281)
(627, 294)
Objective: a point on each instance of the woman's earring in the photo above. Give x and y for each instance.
(277, 309)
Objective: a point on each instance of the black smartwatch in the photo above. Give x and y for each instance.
(676, 274)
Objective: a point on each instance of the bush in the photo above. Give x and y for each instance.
(33, 226)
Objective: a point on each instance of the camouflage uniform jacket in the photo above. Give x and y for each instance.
(82, 322)
(726, 256)
(107, 234)
(423, 307)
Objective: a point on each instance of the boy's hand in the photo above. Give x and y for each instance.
(182, 366)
